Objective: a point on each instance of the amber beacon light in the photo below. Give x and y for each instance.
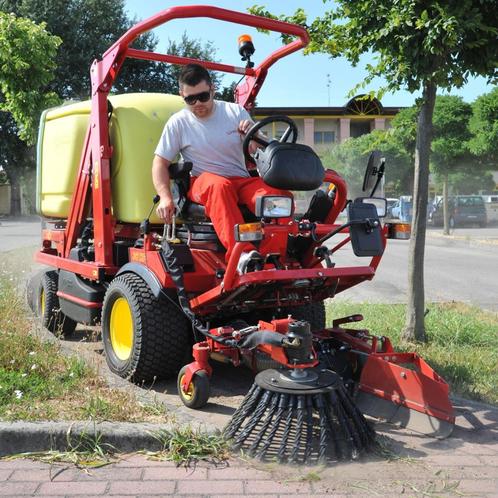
(246, 49)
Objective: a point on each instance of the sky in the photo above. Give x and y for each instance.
(294, 81)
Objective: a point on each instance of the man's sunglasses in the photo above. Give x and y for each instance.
(201, 97)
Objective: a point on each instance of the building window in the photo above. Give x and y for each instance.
(324, 137)
(359, 128)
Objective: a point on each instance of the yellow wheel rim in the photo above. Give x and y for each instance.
(189, 394)
(42, 302)
(121, 329)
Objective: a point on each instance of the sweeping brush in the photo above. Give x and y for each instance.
(300, 416)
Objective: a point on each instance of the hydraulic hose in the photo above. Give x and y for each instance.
(175, 270)
(176, 273)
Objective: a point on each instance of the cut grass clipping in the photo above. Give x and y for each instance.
(462, 342)
(38, 383)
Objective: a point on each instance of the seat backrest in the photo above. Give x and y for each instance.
(290, 166)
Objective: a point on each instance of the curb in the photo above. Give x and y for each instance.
(463, 238)
(120, 437)
(23, 437)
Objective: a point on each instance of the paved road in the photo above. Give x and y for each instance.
(466, 464)
(19, 233)
(463, 267)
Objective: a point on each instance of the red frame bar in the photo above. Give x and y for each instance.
(191, 11)
(78, 300)
(236, 281)
(86, 269)
(134, 53)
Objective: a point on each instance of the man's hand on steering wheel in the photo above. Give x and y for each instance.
(244, 126)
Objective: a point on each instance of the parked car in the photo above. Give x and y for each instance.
(491, 204)
(463, 210)
(391, 201)
(403, 208)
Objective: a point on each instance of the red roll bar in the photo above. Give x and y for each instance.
(245, 93)
(94, 167)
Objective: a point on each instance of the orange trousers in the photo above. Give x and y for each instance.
(221, 196)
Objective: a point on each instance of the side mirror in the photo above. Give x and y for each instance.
(380, 204)
(374, 172)
(365, 228)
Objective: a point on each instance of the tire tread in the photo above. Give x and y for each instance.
(161, 332)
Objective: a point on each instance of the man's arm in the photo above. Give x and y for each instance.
(160, 178)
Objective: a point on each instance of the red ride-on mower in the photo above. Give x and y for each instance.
(164, 293)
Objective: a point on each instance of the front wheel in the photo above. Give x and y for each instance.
(197, 393)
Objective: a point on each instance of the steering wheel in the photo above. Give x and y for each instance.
(253, 130)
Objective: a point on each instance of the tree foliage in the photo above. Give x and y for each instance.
(413, 42)
(451, 134)
(470, 181)
(87, 29)
(484, 126)
(350, 159)
(417, 45)
(27, 51)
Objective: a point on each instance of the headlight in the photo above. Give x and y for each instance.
(273, 206)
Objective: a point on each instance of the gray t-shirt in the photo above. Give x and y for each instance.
(212, 144)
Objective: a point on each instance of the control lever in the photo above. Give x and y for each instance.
(347, 319)
(169, 231)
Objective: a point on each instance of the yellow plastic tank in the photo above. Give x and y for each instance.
(136, 125)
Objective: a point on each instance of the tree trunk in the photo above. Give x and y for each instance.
(414, 325)
(446, 221)
(15, 189)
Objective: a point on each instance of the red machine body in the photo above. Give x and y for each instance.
(215, 288)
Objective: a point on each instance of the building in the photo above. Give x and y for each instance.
(321, 127)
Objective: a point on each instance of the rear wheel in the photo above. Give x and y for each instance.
(53, 319)
(144, 337)
(197, 393)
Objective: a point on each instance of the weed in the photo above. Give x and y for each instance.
(310, 477)
(364, 487)
(86, 451)
(432, 488)
(185, 445)
(37, 382)
(383, 449)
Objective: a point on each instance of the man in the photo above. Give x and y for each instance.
(209, 133)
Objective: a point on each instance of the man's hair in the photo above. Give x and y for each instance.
(193, 74)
